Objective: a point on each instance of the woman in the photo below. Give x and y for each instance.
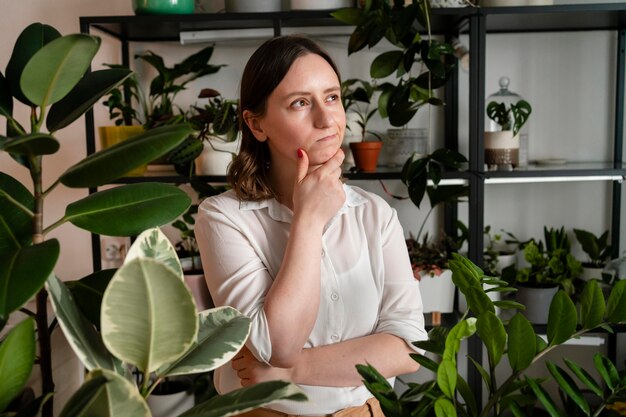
(320, 267)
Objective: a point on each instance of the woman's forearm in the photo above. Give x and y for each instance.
(334, 365)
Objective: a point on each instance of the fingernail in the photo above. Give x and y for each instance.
(299, 153)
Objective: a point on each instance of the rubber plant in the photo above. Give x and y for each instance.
(449, 394)
(50, 74)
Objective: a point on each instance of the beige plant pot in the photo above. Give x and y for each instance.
(501, 148)
(437, 292)
(112, 135)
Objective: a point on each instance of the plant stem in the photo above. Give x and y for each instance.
(54, 225)
(52, 187)
(419, 232)
(16, 203)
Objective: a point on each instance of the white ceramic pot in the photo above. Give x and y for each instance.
(252, 6)
(501, 148)
(319, 4)
(216, 161)
(590, 273)
(537, 302)
(170, 404)
(437, 292)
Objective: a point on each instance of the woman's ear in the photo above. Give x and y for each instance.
(254, 125)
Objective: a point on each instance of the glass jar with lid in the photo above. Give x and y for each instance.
(503, 148)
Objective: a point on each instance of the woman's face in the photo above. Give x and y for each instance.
(304, 111)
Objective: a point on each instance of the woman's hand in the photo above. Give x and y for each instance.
(250, 371)
(318, 192)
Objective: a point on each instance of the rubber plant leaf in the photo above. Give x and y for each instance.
(6, 99)
(88, 291)
(246, 399)
(158, 329)
(592, 305)
(128, 210)
(491, 331)
(83, 96)
(23, 273)
(153, 243)
(223, 332)
(79, 332)
(32, 144)
(17, 356)
(31, 40)
(616, 304)
(521, 343)
(15, 223)
(84, 397)
(119, 398)
(562, 319)
(114, 162)
(57, 67)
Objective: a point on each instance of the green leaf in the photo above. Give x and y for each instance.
(584, 377)
(111, 163)
(607, 370)
(128, 210)
(17, 356)
(567, 384)
(246, 399)
(153, 243)
(425, 361)
(23, 273)
(88, 291)
(544, 398)
(444, 408)
(83, 96)
(33, 144)
(15, 224)
(467, 393)
(31, 40)
(84, 397)
(446, 377)
(562, 319)
(491, 331)
(483, 373)
(349, 15)
(80, 334)
(479, 302)
(385, 64)
(592, 306)
(156, 331)
(57, 67)
(6, 99)
(521, 343)
(119, 398)
(616, 305)
(223, 332)
(461, 330)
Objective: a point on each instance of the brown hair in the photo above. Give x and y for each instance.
(266, 68)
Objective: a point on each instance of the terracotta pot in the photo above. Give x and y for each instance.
(366, 155)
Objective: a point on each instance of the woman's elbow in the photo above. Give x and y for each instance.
(284, 359)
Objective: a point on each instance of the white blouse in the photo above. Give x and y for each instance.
(367, 284)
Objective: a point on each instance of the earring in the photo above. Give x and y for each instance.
(266, 164)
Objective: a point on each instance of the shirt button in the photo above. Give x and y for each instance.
(323, 253)
(335, 337)
(334, 296)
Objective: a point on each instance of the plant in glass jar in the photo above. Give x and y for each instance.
(502, 146)
(598, 251)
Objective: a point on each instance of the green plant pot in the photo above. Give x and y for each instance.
(163, 6)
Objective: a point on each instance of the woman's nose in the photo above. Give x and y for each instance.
(323, 117)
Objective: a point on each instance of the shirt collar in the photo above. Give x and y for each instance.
(282, 213)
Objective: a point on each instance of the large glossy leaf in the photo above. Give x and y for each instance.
(32, 144)
(119, 398)
(128, 210)
(223, 332)
(569, 387)
(447, 376)
(592, 305)
(57, 67)
(23, 273)
(83, 96)
(80, 334)
(246, 399)
(461, 330)
(31, 40)
(17, 356)
(111, 163)
(521, 342)
(153, 243)
(148, 315)
(84, 397)
(6, 99)
(88, 291)
(491, 331)
(15, 223)
(607, 371)
(444, 408)
(616, 305)
(562, 319)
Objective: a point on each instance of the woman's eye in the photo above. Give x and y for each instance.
(299, 103)
(333, 97)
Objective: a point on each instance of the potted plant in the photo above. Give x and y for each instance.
(498, 254)
(552, 267)
(598, 250)
(356, 96)
(502, 147)
(514, 342)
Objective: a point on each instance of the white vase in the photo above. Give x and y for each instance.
(437, 292)
(537, 302)
(216, 161)
(590, 273)
(170, 404)
(501, 148)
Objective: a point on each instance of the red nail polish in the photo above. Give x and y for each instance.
(300, 153)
